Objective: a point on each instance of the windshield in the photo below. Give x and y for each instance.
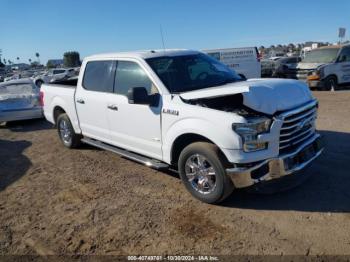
(326, 55)
(191, 72)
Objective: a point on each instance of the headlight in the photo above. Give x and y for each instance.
(316, 75)
(249, 133)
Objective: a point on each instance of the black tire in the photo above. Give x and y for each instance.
(330, 83)
(38, 83)
(215, 159)
(64, 126)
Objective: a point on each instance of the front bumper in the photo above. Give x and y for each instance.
(277, 168)
(315, 84)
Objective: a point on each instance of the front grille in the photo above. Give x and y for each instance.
(302, 74)
(298, 126)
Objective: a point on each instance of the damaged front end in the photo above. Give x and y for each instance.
(255, 124)
(289, 136)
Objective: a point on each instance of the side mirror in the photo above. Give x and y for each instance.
(138, 95)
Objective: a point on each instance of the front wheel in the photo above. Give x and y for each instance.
(66, 132)
(202, 170)
(330, 83)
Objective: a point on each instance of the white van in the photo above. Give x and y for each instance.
(326, 68)
(245, 60)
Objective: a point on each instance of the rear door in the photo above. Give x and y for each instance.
(92, 96)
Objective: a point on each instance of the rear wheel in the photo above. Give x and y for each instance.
(66, 132)
(202, 170)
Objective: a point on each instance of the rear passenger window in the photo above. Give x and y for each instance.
(129, 75)
(99, 76)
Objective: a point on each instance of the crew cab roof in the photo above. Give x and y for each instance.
(145, 54)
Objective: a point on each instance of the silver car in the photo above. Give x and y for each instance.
(19, 100)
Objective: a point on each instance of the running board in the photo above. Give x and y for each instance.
(127, 154)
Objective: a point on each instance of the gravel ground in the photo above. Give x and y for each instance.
(88, 201)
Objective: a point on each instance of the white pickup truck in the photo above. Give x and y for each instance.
(184, 110)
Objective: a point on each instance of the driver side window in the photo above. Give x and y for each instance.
(345, 55)
(130, 74)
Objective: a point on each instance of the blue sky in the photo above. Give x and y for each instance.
(94, 26)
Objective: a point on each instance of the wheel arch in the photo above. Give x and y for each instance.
(184, 140)
(58, 110)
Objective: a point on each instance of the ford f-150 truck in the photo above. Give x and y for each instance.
(185, 110)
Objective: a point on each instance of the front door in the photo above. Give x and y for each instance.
(134, 127)
(344, 66)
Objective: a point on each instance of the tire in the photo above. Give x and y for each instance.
(330, 83)
(39, 83)
(66, 132)
(199, 180)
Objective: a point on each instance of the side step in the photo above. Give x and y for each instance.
(130, 155)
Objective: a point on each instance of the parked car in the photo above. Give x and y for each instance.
(11, 77)
(285, 67)
(53, 75)
(245, 60)
(19, 100)
(326, 68)
(185, 110)
(267, 67)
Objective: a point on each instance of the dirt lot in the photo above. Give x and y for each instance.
(88, 201)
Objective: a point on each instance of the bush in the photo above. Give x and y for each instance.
(71, 59)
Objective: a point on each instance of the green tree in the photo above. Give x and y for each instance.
(71, 59)
(37, 55)
(49, 64)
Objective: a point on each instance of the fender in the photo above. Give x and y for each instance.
(69, 109)
(217, 134)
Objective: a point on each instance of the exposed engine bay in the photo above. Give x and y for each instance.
(229, 103)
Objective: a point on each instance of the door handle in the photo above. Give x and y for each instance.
(113, 107)
(80, 101)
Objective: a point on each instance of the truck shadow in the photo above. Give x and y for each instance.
(326, 190)
(13, 164)
(27, 125)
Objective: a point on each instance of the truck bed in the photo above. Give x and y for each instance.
(60, 97)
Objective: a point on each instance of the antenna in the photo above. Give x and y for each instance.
(161, 34)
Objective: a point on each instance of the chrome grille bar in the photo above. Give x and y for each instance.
(298, 125)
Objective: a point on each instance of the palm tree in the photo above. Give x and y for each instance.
(30, 61)
(5, 61)
(37, 56)
(17, 59)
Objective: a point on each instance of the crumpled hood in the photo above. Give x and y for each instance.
(263, 95)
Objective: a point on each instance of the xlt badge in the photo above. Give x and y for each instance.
(171, 112)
